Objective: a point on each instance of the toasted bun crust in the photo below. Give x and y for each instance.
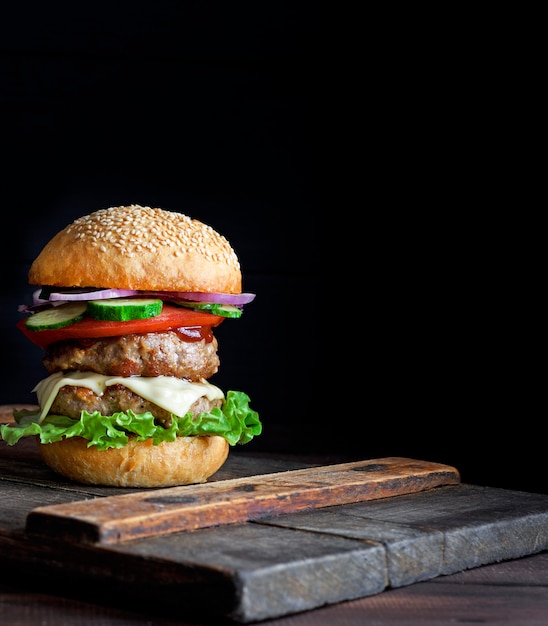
(185, 461)
(135, 247)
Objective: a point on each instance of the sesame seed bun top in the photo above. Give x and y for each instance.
(135, 247)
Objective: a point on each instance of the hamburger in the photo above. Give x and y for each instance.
(129, 298)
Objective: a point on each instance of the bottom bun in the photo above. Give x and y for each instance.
(185, 461)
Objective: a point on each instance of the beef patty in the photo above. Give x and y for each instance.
(149, 354)
(71, 401)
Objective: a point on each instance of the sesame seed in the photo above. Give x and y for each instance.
(133, 229)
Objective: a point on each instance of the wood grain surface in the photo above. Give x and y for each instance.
(511, 593)
(161, 511)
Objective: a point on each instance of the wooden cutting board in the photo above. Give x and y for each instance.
(151, 513)
(263, 538)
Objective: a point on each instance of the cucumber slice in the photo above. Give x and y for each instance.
(57, 317)
(226, 310)
(124, 309)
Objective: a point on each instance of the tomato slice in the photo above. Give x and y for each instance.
(89, 328)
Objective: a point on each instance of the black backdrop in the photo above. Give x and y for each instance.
(208, 109)
(377, 326)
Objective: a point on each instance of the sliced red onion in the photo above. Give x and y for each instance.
(100, 294)
(36, 299)
(37, 304)
(40, 306)
(237, 299)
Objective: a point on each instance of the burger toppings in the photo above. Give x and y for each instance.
(235, 422)
(172, 394)
(124, 309)
(118, 310)
(237, 299)
(171, 318)
(58, 317)
(225, 310)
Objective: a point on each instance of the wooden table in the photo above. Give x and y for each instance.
(431, 546)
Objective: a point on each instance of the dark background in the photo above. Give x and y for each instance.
(353, 176)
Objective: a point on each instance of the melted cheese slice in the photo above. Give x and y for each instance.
(169, 393)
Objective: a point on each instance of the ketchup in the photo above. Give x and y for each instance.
(195, 333)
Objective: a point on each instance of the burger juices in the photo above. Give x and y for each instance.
(128, 302)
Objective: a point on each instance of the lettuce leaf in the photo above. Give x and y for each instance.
(235, 421)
